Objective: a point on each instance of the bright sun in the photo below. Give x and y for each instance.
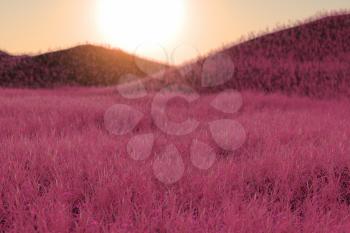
(129, 23)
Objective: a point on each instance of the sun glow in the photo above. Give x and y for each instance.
(129, 23)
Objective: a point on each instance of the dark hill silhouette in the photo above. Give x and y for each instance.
(3, 55)
(316, 40)
(310, 59)
(81, 65)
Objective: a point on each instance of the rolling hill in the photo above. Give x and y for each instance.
(3, 55)
(311, 59)
(81, 65)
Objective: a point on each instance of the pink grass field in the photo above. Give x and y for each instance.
(62, 171)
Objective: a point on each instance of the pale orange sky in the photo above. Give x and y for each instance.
(33, 26)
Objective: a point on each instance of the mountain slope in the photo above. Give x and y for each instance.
(81, 65)
(310, 59)
(3, 55)
(316, 40)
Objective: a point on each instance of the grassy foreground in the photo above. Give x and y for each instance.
(61, 171)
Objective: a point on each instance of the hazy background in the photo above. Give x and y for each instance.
(32, 26)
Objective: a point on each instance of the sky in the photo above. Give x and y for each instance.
(169, 30)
